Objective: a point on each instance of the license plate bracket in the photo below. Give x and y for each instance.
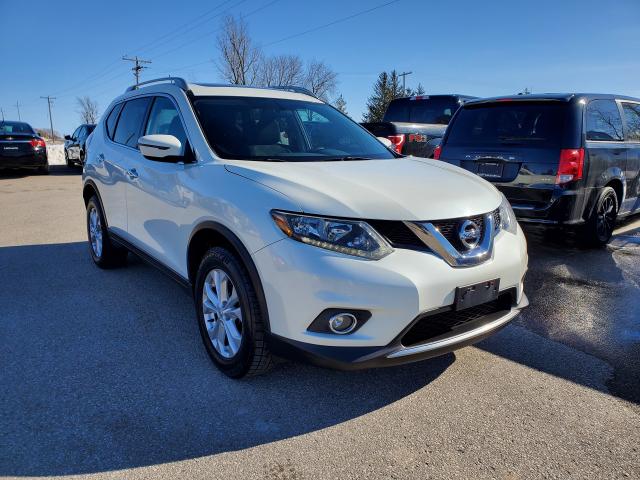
(472, 295)
(490, 169)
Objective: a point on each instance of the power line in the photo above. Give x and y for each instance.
(340, 20)
(49, 100)
(138, 67)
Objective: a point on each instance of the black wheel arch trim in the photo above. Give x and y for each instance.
(92, 184)
(245, 257)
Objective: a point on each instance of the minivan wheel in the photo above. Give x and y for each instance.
(599, 227)
(103, 251)
(229, 315)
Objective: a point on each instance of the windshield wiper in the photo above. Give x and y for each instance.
(349, 158)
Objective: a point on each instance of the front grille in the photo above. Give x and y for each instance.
(430, 326)
(400, 236)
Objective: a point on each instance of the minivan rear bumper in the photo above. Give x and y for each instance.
(566, 207)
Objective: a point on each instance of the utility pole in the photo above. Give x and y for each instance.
(18, 107)
(2, 111)
(403, 75)
(49, 100)
(138, 67)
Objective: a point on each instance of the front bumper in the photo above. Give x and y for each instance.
(357, 358)
(301, 281)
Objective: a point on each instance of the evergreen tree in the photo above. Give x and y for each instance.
(341, 104)
(386, 88)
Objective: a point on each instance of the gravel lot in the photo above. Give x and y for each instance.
(103, 374)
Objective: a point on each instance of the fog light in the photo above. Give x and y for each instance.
(342, 323)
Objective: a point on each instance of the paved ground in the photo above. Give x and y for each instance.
(103, 374)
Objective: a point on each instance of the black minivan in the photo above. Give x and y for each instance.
(560, 159)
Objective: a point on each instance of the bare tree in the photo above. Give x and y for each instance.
(88, 109)
(320, 79)
(240, 58)
(281, 70)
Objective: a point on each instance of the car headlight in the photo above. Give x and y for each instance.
(351, 237)
(508, 220)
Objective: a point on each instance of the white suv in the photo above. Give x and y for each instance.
(299, 233)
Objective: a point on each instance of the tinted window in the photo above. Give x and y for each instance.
(249, 128)
(110, 124)
(437, 110)
(76, 133)
(90, 129)
(130, 123)
(603, 121)
(632, 118)
(164, 119)
(534, 124)
(15, 127)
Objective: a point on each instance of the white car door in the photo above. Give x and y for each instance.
(156, 198)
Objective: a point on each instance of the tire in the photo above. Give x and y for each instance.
(104, 252)
(68, 160)
(227, 310)
(600, 225)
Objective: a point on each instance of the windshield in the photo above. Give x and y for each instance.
(434, 110)
(534, 124)
(15, 127)
(249, 128)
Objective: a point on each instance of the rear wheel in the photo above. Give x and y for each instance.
(599, 227)
(229, 315)
(103, 251)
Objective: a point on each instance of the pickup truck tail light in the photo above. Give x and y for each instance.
(398, 141)
(570, 166)
(37, 143)
(436, 152)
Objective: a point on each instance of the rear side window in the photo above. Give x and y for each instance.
(435, 110)
(164, 119)
(632, 118)
(129, 127)
(530, 124)
(603, 121)
(112, 120)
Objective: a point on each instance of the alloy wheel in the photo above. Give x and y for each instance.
(95, 232)
(606, 216)
(222, 313)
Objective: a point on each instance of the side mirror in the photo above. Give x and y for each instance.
(161, 147)
(67, 137)
(385, 141)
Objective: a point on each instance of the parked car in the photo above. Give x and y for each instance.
(560, 159)
(22, 147)
(415, 125)
(75, 144)
(297, 231)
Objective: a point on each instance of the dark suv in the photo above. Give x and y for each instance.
(560, 159)
(74, 144)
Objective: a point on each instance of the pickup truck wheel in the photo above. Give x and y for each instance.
(104, 252)
(599, 227)
(229, 315)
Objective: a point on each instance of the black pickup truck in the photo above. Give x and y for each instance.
(415, 125)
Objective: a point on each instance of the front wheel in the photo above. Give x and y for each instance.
(104, 252)
(229, 315)
(599, 227)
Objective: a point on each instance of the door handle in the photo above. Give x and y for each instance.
(132, 174)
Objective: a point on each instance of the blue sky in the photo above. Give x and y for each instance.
(473, 47)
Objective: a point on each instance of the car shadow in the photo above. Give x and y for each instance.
(104, 370)
(54, 170)
(587, 299)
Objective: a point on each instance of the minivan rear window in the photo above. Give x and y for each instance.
(531, 124)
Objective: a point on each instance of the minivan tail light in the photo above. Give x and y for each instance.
(437, 152)
(37, 143)
(397, 141)
(570, 166)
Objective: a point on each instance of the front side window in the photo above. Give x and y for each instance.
(603, 121)
(164, 119)
(250, 128)
(632, 118)
(531, 124)
(129, 127)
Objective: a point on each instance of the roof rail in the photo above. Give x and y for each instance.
(294, 89)
(177, 81)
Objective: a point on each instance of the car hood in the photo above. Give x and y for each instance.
(401, 189)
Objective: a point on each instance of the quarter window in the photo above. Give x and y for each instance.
(164, 119)
(130, 122)
(632, 118)
(603, 121)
